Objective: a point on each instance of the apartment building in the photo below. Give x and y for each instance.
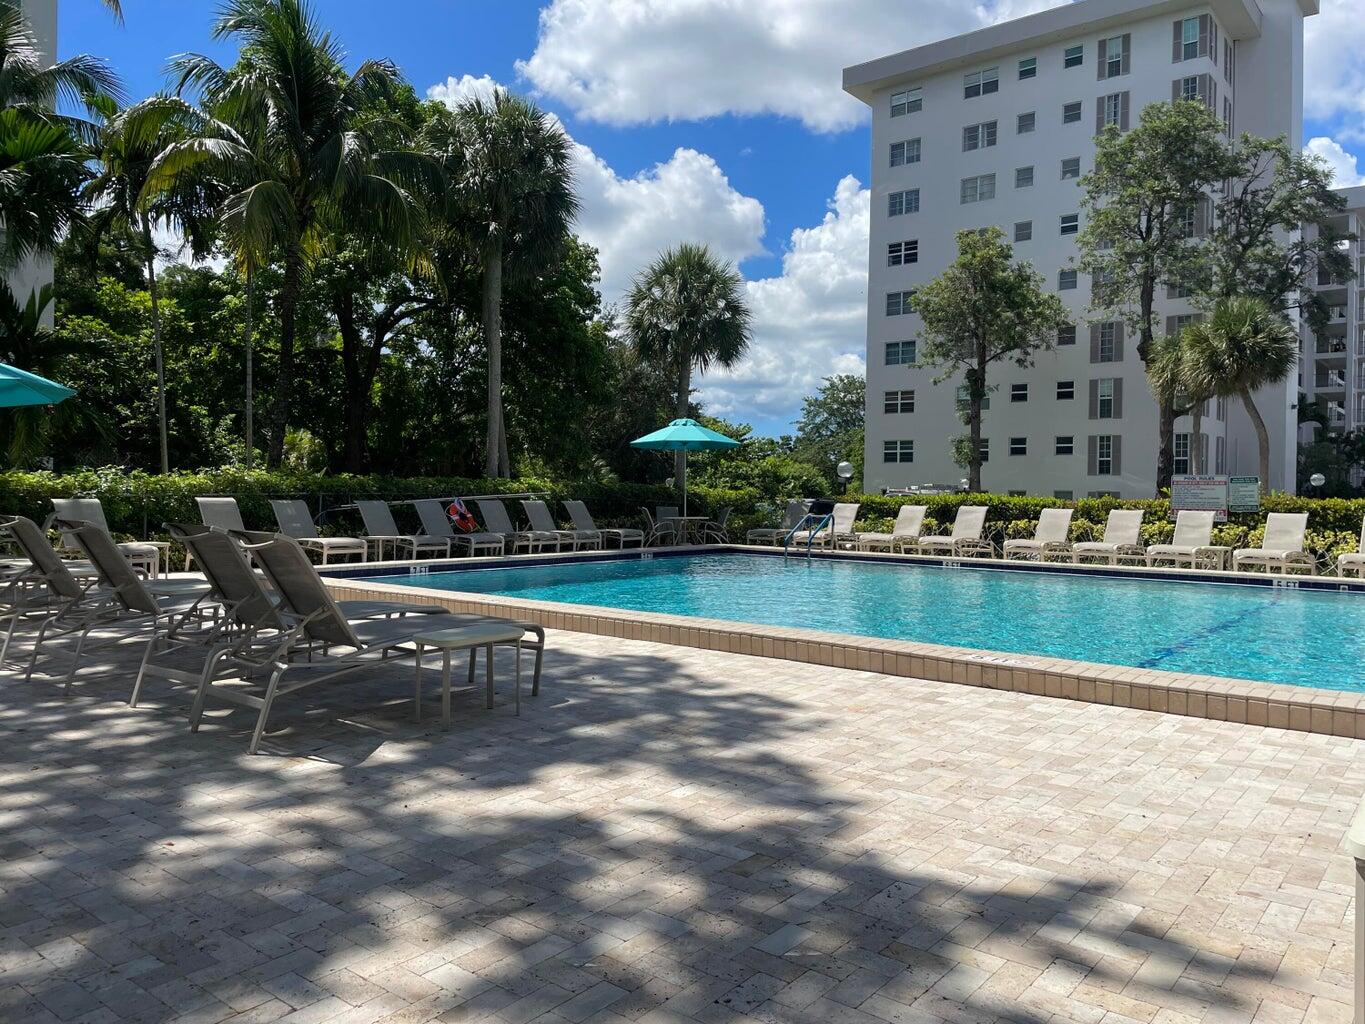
(996, 127)
(1332, 362)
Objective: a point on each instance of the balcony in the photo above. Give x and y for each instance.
(1331, 346)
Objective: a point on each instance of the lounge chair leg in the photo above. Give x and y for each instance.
(141, 672)
(37, 646)
(76, 657)
(9, 637)
(488, 676)
(473, 663)
(417, 685)
(265, 710)
(445, 689)
(518, 686)
(201, 695)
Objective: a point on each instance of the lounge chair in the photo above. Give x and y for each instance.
(538, 514)
(1122, 540)
(317, 628)
(659, 530)
(715, 530)
(437, 524)
(1282, 547)
(838, 530)
(909, 525)
(1193, 541)
(1051, 537)
(144, 555)
(1353, 561)
(217, 514)
(582, 519)
(497, 520)
(49, 587)
(381, 529)
(292, 515)
(965, 540)
(791, 519)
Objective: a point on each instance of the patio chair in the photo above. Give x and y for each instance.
(1193, 541)
(538, 514)
(1122, 540)
(965, 540)
(218, 514)
(1353, 561)
(659, 530)
(582, 519)
(317, 628)
(497, 520)
(437, 524)
(50, 586)
(906, 530)
(381, 528)
(1050, 538)
(142, 554)
(714, 530)
(295, 521)
(839, 528)
(1282, 547)
(791, 519)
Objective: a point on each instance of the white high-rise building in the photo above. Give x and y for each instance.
(996, 127)
(1332, 364)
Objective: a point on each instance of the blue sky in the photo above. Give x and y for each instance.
(703, 120)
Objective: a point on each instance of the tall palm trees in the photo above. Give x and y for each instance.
(320, 165)
(687, 309)
(514, 189)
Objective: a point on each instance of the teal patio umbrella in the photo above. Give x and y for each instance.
(19, 387)
(684, 436)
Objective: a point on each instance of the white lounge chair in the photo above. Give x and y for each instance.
(1193, 541)
(381, 529)
(1122, 540)
(437, 524)
(497, 520)
(909, 525)
(220, 514)
(143, 555)
(538, 515)
(838, 530)
(1051, 537)
(965, 540)
(582, 519)
(791, 518)
(1282, 547)
(294, 520)
(1353, 561)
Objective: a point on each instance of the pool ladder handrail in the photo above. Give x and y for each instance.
(820, 521)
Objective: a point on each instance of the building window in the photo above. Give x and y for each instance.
(1114, 56)
(1107, 340)
(1026, 123)
(908, 101)
(1066, 280)
(898, 203)
(963, 400)
(1071, 112)
(1023, 177)
(1228, 52)
(978, 136)
(1105, 405)
(1064, 495)
(1189, 87)
(1018, 445)
(1112, 110)
(1023, 231)
(1195, 37)
(1019, 392)
(1227, 115)
(1218, 454)
(1071, 223)
(1180, 451)
(1065, 445)
(981, 83)
(1071, 167)
(899, 253)
(978, 189)
(1066, 390)
(985, 448)
(900, 353)
(899, 303)
(895, 402)
(1028, 68)
(906, 152)
(898, 451)
(1103, 445)
(1074, 56)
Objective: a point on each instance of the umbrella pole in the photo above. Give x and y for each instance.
(684, 483)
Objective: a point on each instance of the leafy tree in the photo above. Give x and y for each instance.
(686, 310)
(764, 464)
(1243, 346)
(832, 425)
(298, 142)
(1338, 457)
(509, 163)
(984, 308)
(1146, 185)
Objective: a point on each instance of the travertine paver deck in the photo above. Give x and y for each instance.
(668, 835)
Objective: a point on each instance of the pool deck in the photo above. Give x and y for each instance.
(1243, 701)
(666, 835)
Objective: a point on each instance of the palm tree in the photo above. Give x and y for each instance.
(1242, 346)
(1171, 376)
(687, 311)
(318, 164)
(510, 164)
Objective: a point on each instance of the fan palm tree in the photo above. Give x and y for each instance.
(1244, 345)
(1170, 374)
(687, 310)
(509, 162)
(318, 162)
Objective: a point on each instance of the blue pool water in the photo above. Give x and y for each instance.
(1307, 638)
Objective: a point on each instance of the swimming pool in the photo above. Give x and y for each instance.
(1297, 636)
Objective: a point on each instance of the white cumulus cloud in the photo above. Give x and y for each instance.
(633, 61)
(1334, 74)
(454, 91)
(1345, 171)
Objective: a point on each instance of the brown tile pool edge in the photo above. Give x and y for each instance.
(1248, 702)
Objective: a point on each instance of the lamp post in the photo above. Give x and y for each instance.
(845, 473)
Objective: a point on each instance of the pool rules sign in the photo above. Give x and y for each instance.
(1215, 493)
